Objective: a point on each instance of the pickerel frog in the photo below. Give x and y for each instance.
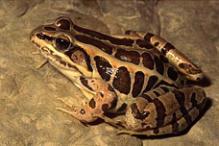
(136, 82)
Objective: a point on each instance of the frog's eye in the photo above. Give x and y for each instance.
(63, 23)
(62, 43)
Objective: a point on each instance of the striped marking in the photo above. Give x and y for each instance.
(138, 84)
(172, 73)
(122, 80)
(103, 67)
(180, 97)
(97, 43)
(151, 82)
(113, 40)
(147, 60)
(144, 44)
(159, 65)
(128, 56)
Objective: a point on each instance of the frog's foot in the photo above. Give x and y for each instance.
(170, 113)
(175, 57)
(103, 100)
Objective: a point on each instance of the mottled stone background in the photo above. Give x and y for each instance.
(28, 114)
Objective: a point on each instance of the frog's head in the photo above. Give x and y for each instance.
(56, 43)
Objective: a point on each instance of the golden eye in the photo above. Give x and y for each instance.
(62, 44)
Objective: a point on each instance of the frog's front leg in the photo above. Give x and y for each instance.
(103, 100)
(170, 113)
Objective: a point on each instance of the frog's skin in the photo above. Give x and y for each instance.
(140, 78)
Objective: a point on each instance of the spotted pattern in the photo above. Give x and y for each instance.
(151, 82)
(92, 103)
(103, 67)
(172, 74)
(128, 56)
(180, 97)
(143, 44)
(159, 65)
(167, 48)
(175, 125)
(136, 113)
(161, 112)
(85, 83)
(147, 60)
(122, 80)
(148, 37)
(138, 84)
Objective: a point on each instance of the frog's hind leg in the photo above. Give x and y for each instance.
(175, 57)
(103, 100)
(170, 113)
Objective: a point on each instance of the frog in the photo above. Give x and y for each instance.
(136, 82)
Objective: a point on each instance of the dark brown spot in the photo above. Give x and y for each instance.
(92, 103)
(159, 65)
(147, 97)
(138, 84)
(161, 112)
(189, 68)
(136, 113)
(147, 61)
(174, 123)
(117, 41)
(167, 48)
(100, 45)
(151, 82)
(101, 94)
(62, 62)
(82, 111)
(122, 80)
(63, 24)
(156, 44)
(105, 107)
(164, 59)
(172, 74)
(104, 68)
(156, 93)
(180, 97)
(193, 99)
(148, 37)
(165, 89)
(143, 44)
(85, 82)
(129, 56)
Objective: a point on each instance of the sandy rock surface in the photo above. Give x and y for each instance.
(28, 95)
